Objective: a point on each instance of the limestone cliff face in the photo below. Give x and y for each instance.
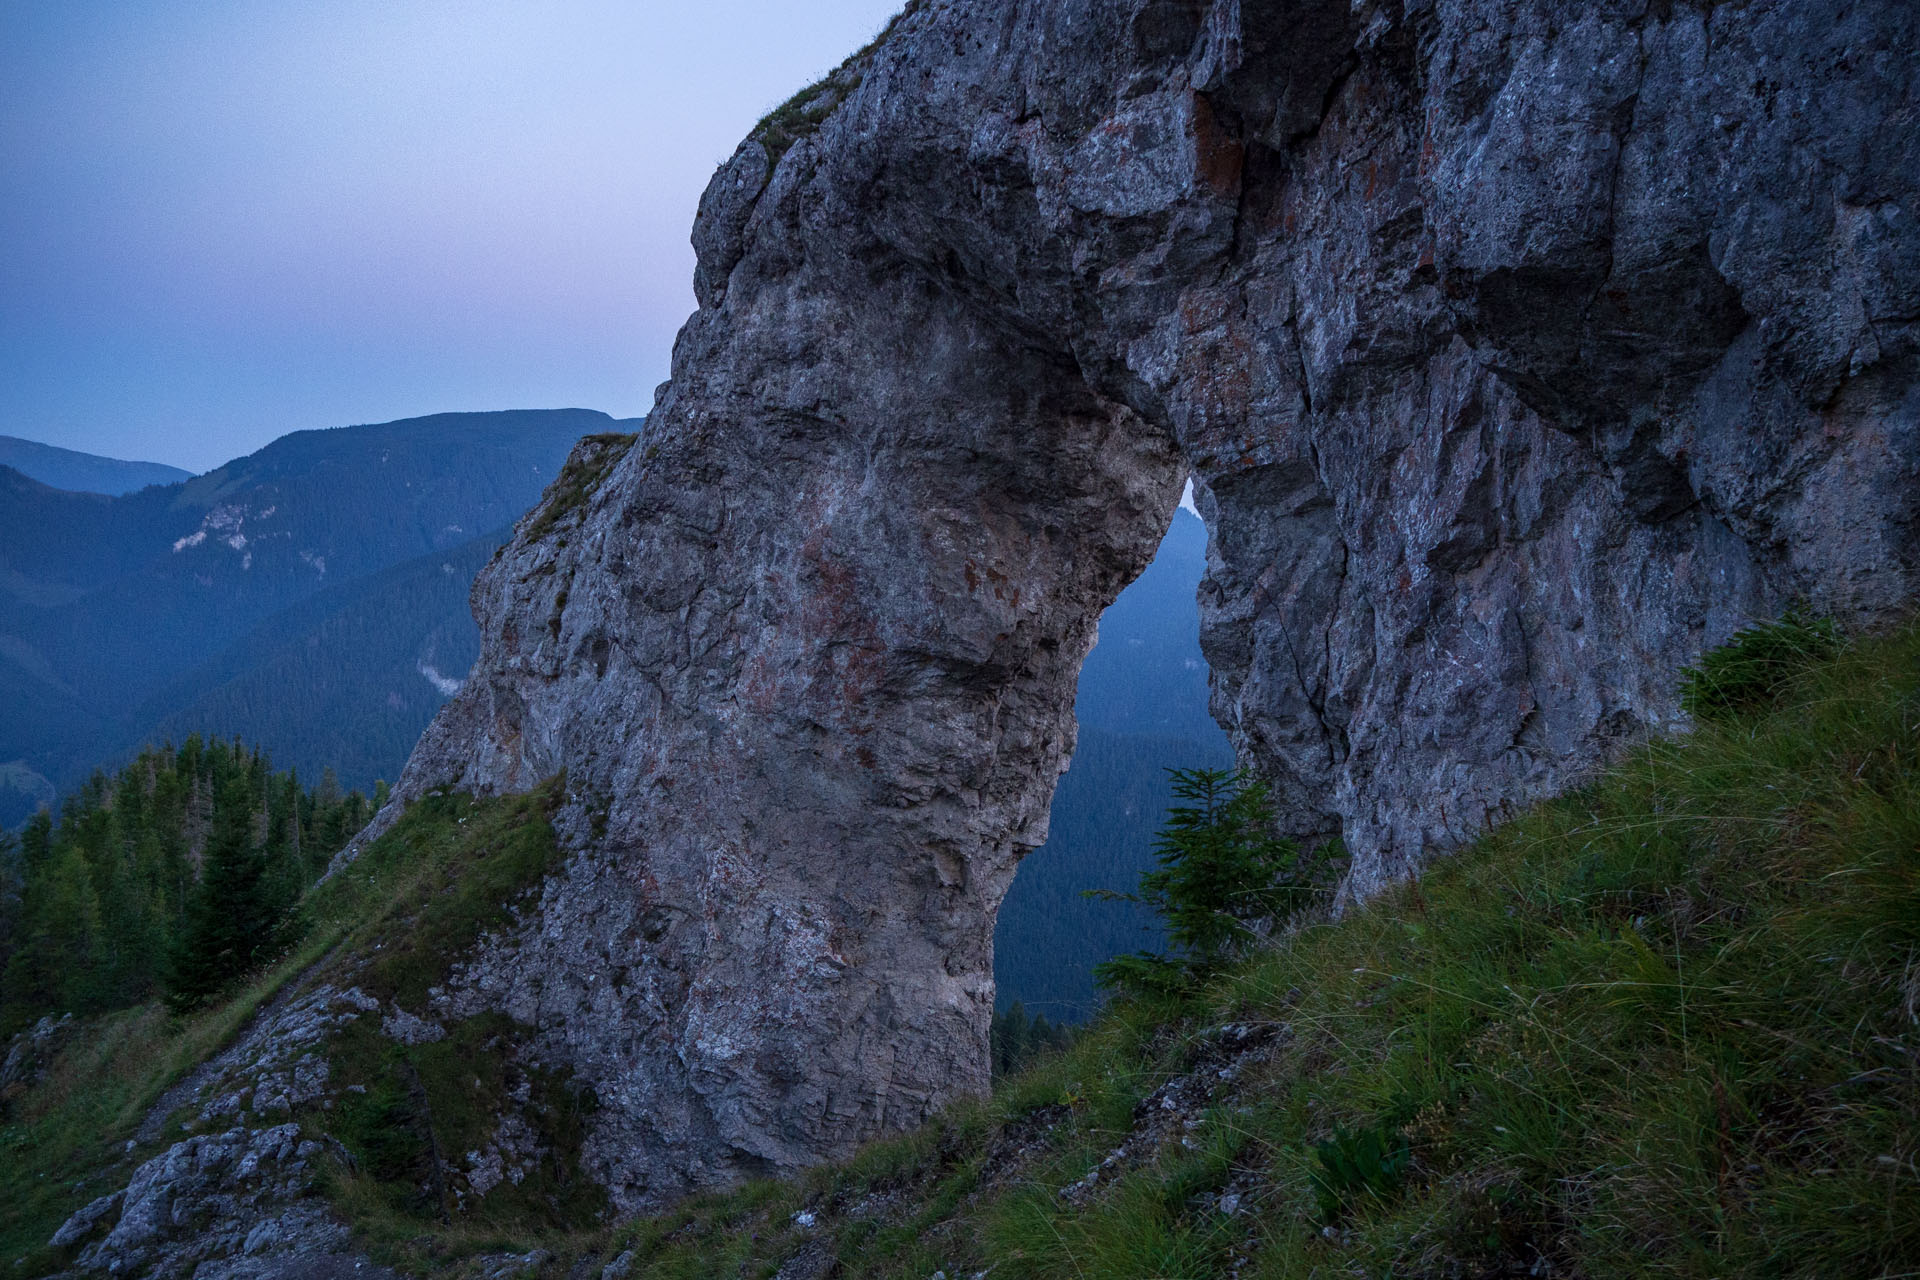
(1518, 349)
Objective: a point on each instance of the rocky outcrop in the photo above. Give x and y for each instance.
(238, 1194)
(29, 1054)
(1518, 349)
(200, 1202)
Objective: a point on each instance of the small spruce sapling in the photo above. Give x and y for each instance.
(1222, 874)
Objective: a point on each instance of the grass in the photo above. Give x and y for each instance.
(1666, 1026)
(416, 899)
(1751, 668)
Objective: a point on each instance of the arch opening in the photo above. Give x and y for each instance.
(1141, 708)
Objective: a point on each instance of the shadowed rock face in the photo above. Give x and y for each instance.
(1517, 349)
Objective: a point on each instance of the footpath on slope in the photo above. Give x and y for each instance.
(245, 1042)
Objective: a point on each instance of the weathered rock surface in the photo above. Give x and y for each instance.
(1518, 349)
(28, 1054)
(238, 1195)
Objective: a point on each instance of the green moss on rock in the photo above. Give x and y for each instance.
(803, 114)
(589, 464)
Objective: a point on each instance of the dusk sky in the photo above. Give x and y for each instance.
(227, 221)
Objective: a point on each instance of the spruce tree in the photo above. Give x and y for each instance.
(231, 921)
(12, 884)
(36, 844)
(57, 968)
(1221, 868)
(1223, 874)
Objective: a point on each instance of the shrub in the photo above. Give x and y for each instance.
(1750, 670)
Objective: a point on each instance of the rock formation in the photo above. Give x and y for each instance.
(235, 1200)
(1518, 349)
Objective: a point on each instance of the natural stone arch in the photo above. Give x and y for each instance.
(1490, 439)
(808, 655)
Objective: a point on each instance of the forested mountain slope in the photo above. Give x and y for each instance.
(84, 472)
(120, 616)
(344, 679)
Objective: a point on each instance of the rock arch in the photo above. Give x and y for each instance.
(808, 655)
(1493, 424)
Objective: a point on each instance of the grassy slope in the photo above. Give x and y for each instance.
(1669, 1025)
(391, 923)
(1664, 1026)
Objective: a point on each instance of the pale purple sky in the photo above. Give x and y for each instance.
(224, 221)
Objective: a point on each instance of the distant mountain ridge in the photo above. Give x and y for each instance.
(79, 472)
(171, 608)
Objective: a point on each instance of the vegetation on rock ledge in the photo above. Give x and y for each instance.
(591, 461)
(452, 869)
(803, 113)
